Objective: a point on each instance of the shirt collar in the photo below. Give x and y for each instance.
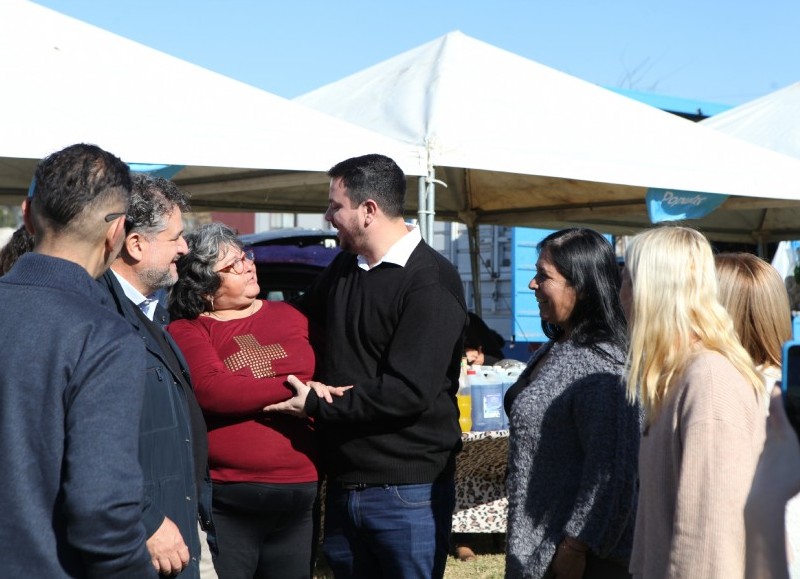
(147, 305)
(399, 252)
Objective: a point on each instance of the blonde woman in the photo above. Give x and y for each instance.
(756, 298)
(704, 412)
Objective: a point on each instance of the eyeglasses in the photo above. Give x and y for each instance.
(112, 216)
(237, 265)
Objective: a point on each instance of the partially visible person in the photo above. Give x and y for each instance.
(574, 436)
(482, 345)
(753, 293)
(704, 411)
(68, 425)
(756, 298)
(393, 313)
(240, 351)
(777, 480)
(173, 449)
(21, 242)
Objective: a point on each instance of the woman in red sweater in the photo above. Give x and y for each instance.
(240, 351)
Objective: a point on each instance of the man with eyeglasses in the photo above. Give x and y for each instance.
(173, 448)
(72, 484)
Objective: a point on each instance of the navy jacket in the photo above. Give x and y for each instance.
(71, 392)
(166, 438)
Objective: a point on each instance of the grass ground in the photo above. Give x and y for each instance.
(490, 564)
(484, 567)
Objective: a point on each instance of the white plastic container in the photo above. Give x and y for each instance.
(487, 399)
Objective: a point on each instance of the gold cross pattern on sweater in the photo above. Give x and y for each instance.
(252, 354)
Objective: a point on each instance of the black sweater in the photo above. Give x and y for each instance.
(395, 333)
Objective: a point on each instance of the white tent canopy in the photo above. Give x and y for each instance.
(519, 143)
(772, 121)
(66, 81)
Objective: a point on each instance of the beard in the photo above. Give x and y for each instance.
(351, 239)
(158, 278)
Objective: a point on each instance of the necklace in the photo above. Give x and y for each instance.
(234, 314)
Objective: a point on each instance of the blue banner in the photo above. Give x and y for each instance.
(163, 171)
(675, 205)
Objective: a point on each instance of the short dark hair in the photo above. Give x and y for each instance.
(587, 260)
(73, 180)
(375, 177)
(153, 199)
(196, 276)
(479, 335)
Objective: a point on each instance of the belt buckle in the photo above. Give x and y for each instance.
(354, 486)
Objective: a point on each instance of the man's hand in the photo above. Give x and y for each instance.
(296, 405)
(168, 553)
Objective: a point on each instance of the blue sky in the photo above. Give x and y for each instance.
(721, 51)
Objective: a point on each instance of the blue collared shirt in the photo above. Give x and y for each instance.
(146, 304)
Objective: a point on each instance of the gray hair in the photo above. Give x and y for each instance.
(197, 279)
(153, 199)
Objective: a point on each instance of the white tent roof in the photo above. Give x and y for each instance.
(772, 121)
(66, 81)
(520, 143)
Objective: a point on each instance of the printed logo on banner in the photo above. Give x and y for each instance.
(675, 205)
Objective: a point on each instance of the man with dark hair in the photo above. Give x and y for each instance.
(394, 315)
(72, 490)
(173, 448)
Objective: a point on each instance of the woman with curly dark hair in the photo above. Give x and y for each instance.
(240, 351)
(21, 242)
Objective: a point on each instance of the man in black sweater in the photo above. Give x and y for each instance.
(393, 312)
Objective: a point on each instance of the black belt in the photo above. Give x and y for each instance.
(359, 486)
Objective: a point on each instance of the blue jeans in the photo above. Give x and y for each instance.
(389, 531)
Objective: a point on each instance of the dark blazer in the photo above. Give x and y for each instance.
(168, 444)
(68, 444)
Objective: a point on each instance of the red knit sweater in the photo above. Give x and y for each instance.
(237, 368)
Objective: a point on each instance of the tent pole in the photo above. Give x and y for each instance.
(426, 205)
(761, 248)
(430, 205)
(474, 249)
(421, 189)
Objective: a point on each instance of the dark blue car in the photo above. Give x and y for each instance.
(288, 260)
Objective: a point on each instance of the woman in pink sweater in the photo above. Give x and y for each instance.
(704, 412)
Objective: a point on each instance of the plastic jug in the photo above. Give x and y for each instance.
(487, 399)
(464, 399)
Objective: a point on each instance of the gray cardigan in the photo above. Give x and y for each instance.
(572, 461)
